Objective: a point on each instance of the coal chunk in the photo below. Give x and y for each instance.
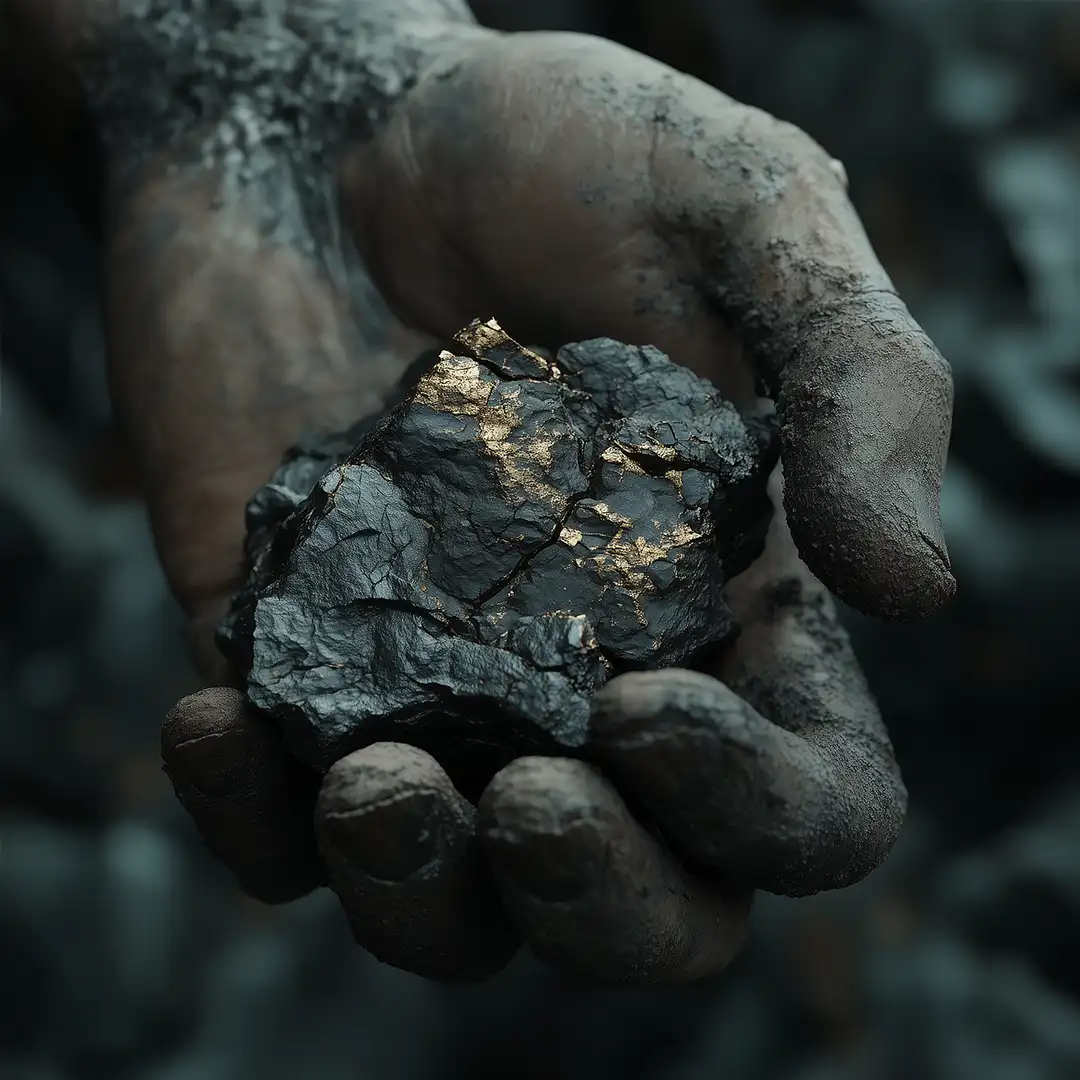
(464, 571)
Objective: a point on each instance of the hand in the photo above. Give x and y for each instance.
(576, 189)
(572, 189)
(775, 774)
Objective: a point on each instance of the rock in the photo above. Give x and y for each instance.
(464, 571)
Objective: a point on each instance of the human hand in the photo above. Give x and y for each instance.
(575, 190)
(578, 189)
(771, 771)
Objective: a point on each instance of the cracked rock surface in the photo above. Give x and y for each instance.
(464, 571)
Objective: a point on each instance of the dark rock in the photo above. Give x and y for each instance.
(494, 547)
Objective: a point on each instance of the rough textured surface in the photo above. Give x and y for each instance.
(103, 872)
(324, 58)
(510, 534)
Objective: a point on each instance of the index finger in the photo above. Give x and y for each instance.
(864, 398)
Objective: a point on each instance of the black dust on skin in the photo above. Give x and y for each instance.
(465, 570)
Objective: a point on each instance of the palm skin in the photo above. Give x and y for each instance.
(573, 189)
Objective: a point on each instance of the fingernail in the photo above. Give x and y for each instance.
(388, 843)
(932, 584)
(932, 532)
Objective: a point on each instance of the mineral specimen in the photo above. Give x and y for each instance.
(464, 571)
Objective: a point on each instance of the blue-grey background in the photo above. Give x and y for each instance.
(125, 954)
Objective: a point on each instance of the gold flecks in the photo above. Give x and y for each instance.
(684, 534)
(603, 511)
(522, 463)
(500, 420)
(481, 337)
(454, 385)
(625, 560)
(485, 335)
(570, 537)
(616, 456)
(656, 449)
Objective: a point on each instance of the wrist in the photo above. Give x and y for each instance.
(141, 77)
(293, 82)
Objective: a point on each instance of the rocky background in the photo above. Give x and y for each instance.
(125, 954)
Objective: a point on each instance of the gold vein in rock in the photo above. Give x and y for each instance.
(631, 556)
(625, 560)
(454, 385)
(605, 513)
(521, 463)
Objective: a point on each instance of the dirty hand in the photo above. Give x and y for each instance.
(573, 189)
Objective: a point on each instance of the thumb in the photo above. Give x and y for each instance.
(865, 410)
(864, 398)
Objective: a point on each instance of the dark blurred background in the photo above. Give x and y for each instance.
(125, 954)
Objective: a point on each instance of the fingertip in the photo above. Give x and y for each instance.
(538, 820)
(399, 845)
(872, 535)
(641, 708)
(250, 802)
(390, 812)
(787, 811)
(591, 890)
(865, 415)
(210, 712)
(732, 792)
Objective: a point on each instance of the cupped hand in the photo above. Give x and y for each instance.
(576, 189)
(572, 189)
(773, 770)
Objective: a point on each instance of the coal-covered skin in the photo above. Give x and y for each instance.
(267, 257)
(627, 199)
(488, 552)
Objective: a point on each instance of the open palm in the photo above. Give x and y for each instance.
(571, 189)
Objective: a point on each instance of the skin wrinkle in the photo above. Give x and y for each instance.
(208, 737)
(358, 812)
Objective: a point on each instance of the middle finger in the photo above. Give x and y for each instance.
(591, 890)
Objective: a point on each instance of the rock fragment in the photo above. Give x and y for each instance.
(464, 571)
